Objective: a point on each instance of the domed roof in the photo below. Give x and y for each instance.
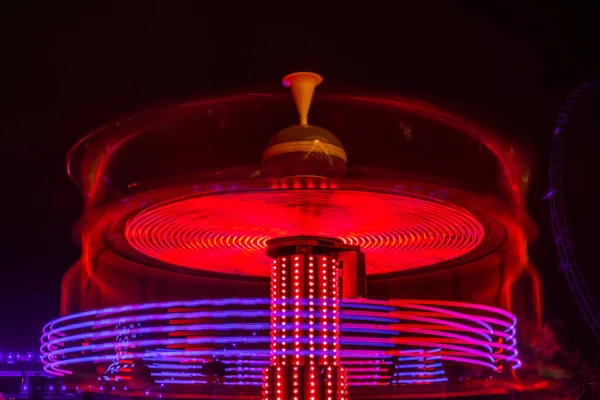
(304, 133)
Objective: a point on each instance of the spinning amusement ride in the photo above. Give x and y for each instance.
(387, 259)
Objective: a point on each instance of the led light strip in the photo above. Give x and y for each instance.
(335, 328)
(298, 268)
(312, 282)
(463, 333)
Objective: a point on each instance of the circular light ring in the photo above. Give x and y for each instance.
(228, 232)
(174, 337)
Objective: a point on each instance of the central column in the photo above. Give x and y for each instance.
(305, 320)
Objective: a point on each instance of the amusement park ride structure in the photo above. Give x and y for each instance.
(343, 277)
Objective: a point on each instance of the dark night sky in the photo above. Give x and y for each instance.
(71, 67)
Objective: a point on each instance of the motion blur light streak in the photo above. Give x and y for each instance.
(466, 348)
(198, 231)
(377, 261)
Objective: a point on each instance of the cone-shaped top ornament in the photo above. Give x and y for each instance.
(303, 149)
(302, 85)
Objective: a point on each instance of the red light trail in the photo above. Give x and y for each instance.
(398, 231)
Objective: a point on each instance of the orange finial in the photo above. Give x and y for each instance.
(303, 86)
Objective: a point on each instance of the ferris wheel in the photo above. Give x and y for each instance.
(562, 238)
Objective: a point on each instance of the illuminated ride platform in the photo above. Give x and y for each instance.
(308, 277)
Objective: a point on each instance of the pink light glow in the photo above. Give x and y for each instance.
(455, 336)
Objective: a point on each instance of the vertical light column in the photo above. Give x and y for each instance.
(343, 384)
(298, 294)
(281, 368)
(334, 385)
(283, 312)
(335, 307)
(304, 329)
(324, 285)
(312, 373)
(267, 384)
(265, 394)
(274, 306)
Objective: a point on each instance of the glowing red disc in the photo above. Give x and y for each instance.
(228, 233)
